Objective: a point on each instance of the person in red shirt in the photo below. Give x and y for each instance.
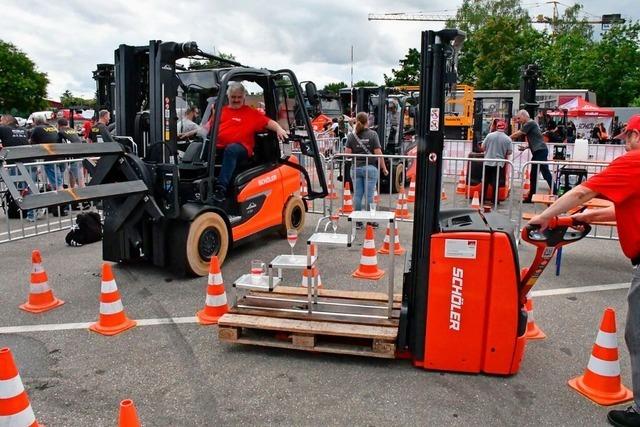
(238, 124)
(619, 183)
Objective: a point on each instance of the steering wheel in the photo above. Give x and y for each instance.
(561, 231)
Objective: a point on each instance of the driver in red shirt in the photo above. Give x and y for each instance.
(238, 124)
(620, 183)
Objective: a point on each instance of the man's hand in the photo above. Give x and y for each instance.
(281, 134)
(385, 171)
(522, 147)
(541, 220)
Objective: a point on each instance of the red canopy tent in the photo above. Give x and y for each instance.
(585, 115)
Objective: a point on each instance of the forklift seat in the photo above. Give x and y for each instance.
(266, 153)
(192, 153)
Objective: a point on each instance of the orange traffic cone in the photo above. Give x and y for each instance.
(475, 202)
(411, 197)
(15, 409)
(112, 319)
(215, 304)
(368, 268)
(601, 380)
(308, 274)
(128, 415)
(443, 195)
(303, 187)
(533, 331)
(347, 201)
(331, 188)
(376, 196)
(386, 244)
(41, 296)
(402, 209)
(461, 188)
(526, 185)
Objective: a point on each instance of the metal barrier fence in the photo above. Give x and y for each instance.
(49, 176)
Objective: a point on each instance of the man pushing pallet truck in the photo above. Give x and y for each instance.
(463, 296)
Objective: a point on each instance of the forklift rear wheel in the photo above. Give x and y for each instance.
(398, 178)
(293, 216)
(207, 237)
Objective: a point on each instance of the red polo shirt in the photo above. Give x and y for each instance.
(620, 183)
(240, 125)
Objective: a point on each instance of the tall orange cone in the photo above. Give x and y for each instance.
(215, 304)
(368, 268)
(411, 196)
(475, 202)
(533, 331)
(347, 201)
(331, 188)
(15, 409)
(308, 274)
(376, 196)
(443, 195)
(112, 319)
(601, 380)
(402, 209)
(128, 415)
(41, 296)
(386, 244)
(526, 185)
(461, 188)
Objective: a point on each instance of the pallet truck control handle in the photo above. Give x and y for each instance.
(561, 231)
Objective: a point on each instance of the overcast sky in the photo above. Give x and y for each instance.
(67, 38)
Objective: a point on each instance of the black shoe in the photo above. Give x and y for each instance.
(527, 201)
(219, 195)
(359, 226)
(624, 418)
(373, 224)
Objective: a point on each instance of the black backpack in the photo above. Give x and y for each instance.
(87, 229)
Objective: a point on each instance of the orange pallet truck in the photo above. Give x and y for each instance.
(463, 297)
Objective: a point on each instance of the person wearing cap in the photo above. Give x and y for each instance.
(496, 145)
(618, 182)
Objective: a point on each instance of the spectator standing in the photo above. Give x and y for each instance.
(187, 126)
(68, 135)
(99, 131)
(11, 135)
(496, 145)
(45, 133)
(539, 150)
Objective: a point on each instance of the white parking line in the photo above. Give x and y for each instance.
(193, 319)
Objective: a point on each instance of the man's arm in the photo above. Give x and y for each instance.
(381, 162)
(573, 198)
(275, 127)
(596, 215)
(516, 135)
(104, 133)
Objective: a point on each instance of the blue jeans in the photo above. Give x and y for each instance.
(540, 156)
(366, 179)
(55, 175)
(233, 154)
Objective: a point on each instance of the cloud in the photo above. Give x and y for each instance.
(313, 38)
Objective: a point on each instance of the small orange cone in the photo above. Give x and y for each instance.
(601, 380)
(443, 195)
(386, 244)
(331, 188)
(215, 304)
(128, 415)
(526, 185)
(411, 197)
(475, 202)
(402, 209)
(461, 188)
(303, 187)
(307, 274)
(368, 268)
(376, 196)
(533, 331)
(41, 296)
(112, 319)
(15, 409)
(347, 201)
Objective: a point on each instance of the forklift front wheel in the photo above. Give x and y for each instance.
(293, 216)
(399, 177)
(207, 237)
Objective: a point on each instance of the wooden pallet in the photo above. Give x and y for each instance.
(260, 320)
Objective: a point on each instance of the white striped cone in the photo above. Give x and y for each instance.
(307, 274)
(347, 201)
(411, 197)
(601, 380)
(386, 244)
(112, 319)
(368, 268)
(15, 408)
(215, 304)
(533, 331)
(475, 202)
(41, 296)
(461, 188)
(402, 208)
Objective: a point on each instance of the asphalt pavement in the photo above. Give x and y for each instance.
(181, 375)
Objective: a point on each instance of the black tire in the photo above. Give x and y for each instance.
(293, 215)
(207, 235)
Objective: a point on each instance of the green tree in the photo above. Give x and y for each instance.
(408, 73)
(364, 83)
(69, 100)
(22, 87)
(211, 63)
(334, 87)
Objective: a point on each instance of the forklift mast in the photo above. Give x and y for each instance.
(528, 86)
(105, 81)
(437, 65)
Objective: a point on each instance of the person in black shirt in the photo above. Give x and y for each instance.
(44, 133)
(68, 135)
(11, 135)
(99, 131)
